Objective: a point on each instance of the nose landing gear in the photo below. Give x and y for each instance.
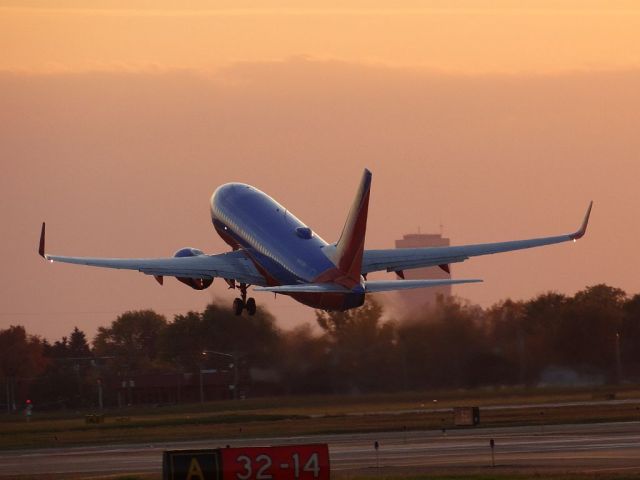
(242, 303)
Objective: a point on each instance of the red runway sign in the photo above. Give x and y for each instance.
(288, 462)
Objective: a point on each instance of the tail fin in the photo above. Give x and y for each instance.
(349, 249)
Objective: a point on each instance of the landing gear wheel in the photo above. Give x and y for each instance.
(241, 303)
(238, 306)
(251, 306)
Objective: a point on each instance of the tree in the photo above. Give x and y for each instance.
(254, 339)
(182, 341)
(362, 348)
(587, 337)
(440, 346)
(630, 338)
(69, 375)
(508, 336)
(132, 339)
(78, 346)
(304, 362)
(544, 317)
(20, 360)
(337, 323)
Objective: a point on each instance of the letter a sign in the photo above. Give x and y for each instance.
(195, 472)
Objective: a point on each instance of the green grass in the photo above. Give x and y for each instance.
(343, 404)
(311, 415)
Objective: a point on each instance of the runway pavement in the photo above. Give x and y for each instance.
(586, 447)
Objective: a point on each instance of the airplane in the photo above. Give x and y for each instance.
(273, 251)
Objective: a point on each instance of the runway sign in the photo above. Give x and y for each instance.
(191, 465)
(466, 416)
(286, 462)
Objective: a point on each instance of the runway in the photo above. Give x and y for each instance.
(577, 448)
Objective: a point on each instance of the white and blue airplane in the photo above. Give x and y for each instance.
(276, 252)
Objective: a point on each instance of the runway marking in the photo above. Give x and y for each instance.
(612, 469)
(568, 446)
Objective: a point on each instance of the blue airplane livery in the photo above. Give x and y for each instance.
(275, 252)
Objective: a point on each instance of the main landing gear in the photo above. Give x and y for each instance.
(242, 303)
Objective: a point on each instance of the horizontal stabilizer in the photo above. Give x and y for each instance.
(390, 285)
(305, 288)
(370, 287)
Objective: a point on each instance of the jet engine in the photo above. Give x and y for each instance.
(195, 283)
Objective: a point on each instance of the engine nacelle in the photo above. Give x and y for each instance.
(195, 283)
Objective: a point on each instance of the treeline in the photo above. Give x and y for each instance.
(592, 336)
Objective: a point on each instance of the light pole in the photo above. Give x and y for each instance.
(618, 360)
(201, 387)
(100, 403)
(234, 365)
(94, 361)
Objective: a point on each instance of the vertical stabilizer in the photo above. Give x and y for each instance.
(349, 249)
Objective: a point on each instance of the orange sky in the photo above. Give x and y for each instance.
(475, 36)
(118, 120)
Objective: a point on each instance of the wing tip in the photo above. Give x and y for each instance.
(583, 228)
(41, 246)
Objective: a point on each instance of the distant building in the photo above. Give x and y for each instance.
(171, 387)
(418, 298)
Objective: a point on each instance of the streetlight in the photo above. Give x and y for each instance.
(201, 389)
(200, 371)
(95, 364)
(618, 360)
(233, 365)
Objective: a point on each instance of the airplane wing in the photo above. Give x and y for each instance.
(399, 259)
(232, 265)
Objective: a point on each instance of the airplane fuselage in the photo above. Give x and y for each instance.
(282, 248)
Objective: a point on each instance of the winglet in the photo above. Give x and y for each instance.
(583, 228)
(41, 247)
